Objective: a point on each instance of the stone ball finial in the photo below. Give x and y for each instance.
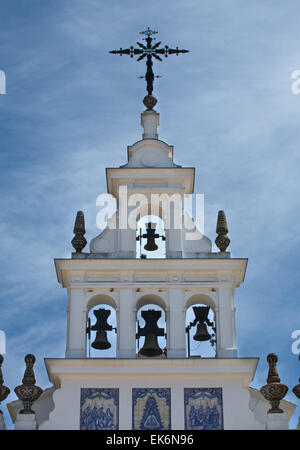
(149, 101)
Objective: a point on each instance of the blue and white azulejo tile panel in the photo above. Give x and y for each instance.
(99, 409)
(151, 409)
(203, 409)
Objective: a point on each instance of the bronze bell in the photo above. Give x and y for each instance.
(202, 334)
(151, 331)
(151, 347)
(150, 236)
(101, 342)
(101, 327)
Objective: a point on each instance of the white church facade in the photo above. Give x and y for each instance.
(154, 309)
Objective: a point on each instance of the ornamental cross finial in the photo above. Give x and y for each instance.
(148, 32)
(148, 51)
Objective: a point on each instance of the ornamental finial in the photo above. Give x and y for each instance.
(27, 392)
(222, 240)
(296, 389)
(149, 51)
(4, 390)
(79, 241)
(274, 391)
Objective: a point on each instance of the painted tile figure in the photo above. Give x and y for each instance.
(203, 409)
(151, 409)
(99, 409)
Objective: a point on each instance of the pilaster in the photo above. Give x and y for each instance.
(127, 328)
(76, 339)
(176, 330)
(226, 339)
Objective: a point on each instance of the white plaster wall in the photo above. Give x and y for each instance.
(236, 412)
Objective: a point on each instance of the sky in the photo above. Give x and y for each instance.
(71, 109)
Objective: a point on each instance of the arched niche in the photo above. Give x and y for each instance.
(151, 298)
(102, 301)
(151, 302)
(200, 299)
(195, 348)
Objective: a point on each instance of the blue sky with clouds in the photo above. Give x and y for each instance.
(71, 109)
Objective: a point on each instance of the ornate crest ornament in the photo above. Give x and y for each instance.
(149, 51)
(222, 240)
(28, 392)
(296, 389)
(274, 391)
(4, 391)
(79, 241)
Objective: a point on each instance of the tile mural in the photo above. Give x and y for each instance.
(99, 409)
(151, 409)
(203, 409)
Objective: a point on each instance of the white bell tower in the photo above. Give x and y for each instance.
(151, 324)
(190, 274)
(182, 288)
(163, 303)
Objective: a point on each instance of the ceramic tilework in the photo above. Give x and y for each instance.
(99, 409)
(203, 409)
(151, 409)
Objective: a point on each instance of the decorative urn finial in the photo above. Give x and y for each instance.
(222, 240)
(4, 390)
(274, 391)
(28, 392)
(79, 241)
(296, 389)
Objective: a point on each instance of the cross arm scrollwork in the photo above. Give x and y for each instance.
(149, 51)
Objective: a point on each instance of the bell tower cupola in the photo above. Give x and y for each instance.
(151, 279)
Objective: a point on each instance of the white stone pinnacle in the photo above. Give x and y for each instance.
(150, 122)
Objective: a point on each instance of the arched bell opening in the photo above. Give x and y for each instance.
(101, 328)
(200, 331)
(151, 337)
(150, 237)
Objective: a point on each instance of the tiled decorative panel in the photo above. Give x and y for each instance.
(151, 409)
(203, 409)
(99, 409)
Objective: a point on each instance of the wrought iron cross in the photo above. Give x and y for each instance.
(149, 51)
